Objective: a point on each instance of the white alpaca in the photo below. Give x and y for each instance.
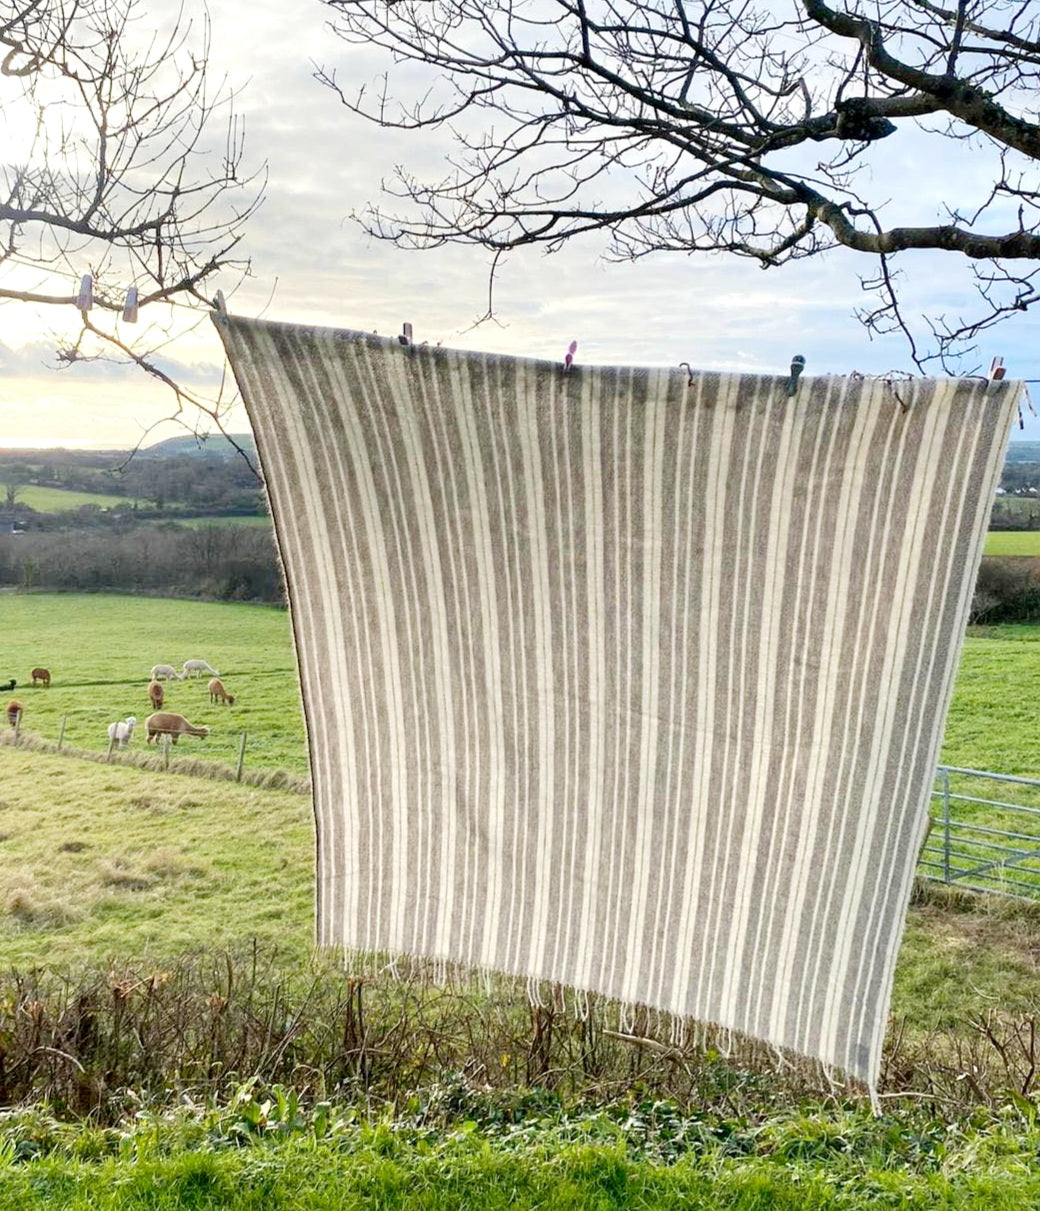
(195, 668)
(122, 732)
(165, 672)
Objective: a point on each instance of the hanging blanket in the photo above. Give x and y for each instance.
(628, 679)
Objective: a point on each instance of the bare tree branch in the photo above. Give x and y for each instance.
(715, 125)
(122, 160)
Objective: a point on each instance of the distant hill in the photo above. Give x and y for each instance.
(213, 445)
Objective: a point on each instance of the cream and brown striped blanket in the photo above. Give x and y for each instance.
(624, 678)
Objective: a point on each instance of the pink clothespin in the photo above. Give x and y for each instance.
(996, 368)
(568, 361)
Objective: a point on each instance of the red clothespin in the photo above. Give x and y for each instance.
(996, 368)
(568, 361)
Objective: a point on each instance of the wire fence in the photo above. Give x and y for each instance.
(262, 756)
(985, 832)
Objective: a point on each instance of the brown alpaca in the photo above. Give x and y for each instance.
(41, 674)
(156, 694)
(166, 723)
(218, 692)
(14, 711)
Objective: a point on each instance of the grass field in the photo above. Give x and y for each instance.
(237, 519)
(98, 862)
(60, 500)
(100, 651)
(1013, 542)
(104, 864)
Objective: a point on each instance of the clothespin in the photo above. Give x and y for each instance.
(996, 368)
(218, 302)
(406, 334)
(130, 306)
(689, 372)
(85, 299)
(568, 360)
(797, 366)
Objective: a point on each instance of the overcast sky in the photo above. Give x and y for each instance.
(311, 263)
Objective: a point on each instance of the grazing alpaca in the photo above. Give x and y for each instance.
(156, 694)
(218, 692)
(168, 724)
(41, 674)
(122, 733)
(5, 689)
(165, 672)
(14, 712)
(195, 668)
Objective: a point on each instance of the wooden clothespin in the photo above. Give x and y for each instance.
(218, 302)
(568, 360)
(797, 366)
(406, 334)
(997, 368)
(130, 306)
(85, 298)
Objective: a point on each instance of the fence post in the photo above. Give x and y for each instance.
(944, 777)
(241, 757)
(61, 730)
(17, 725)
(166, 750)
(111, 746)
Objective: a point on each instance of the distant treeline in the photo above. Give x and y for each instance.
(226, 563)
(198, 482)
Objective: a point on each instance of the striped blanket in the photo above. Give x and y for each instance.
(627, 679)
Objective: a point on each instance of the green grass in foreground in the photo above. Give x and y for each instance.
(1013, 542)
(239, 1159)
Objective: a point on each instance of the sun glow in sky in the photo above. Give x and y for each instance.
(311, 263)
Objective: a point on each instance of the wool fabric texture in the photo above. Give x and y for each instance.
(628, 679)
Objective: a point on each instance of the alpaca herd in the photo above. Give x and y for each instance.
(160, 722)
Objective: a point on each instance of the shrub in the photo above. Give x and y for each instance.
(1007, 589)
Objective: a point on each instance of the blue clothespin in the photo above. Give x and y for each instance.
(797, 366)
(130, 306)
(406, 334)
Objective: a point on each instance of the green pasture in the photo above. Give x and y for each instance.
(994, 717)
(109, 868)
(100, 651)
(100, 862)
(61, 500)
(1013, 542)
(236, 519)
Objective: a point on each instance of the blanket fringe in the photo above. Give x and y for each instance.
(672, 1036)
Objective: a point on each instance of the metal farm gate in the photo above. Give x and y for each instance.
(985, 832)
